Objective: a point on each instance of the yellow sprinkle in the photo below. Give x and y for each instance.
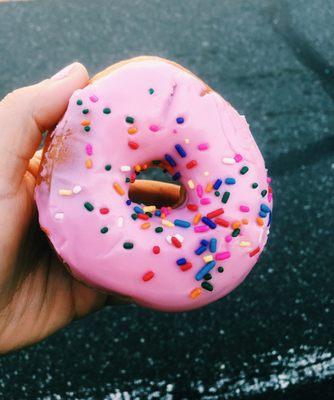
(145, 225)
(191, 184)
(209, 187)
(65, 192)
(195, 293)
(89, 163)
(167, 223)
(244, 244)
(85, 122)
(197, 218)
(132, 130)
(149, 208)
(236, 224)
(119, 189)
(206, 173)
(208, 258)
(187, 141)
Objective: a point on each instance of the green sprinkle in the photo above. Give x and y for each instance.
(149, 214)
(107, 167)
(79, 102)
(159, 229)
(236, 232)
(255, 185)
(156, 162)
(217, 193)
(207, 286)
(89, 206)
(151, 91)
(207, 277)
(244, 170)
(128, 245)
(129, 120)
(225, 197)
(220, 269)
(127, 180)
(87, 128)
(85, 111)
(134, 216)
(106, 110)
(264, 192)
(104, 230)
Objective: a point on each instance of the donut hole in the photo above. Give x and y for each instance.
(155, 187)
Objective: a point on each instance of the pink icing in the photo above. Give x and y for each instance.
(91, 242)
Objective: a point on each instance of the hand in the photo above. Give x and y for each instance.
(37, 294)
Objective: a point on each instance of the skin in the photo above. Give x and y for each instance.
(37, 294)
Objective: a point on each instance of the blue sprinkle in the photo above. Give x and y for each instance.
(200, 250)
(213, 245)
(230, 181)
(182, 223)
(157, 213)
(265, 208)
(204, 270)
(180, 120)
(262, 214)
(138, 210)
(181, 261)
(269, 219)
(209, 222)
(204, 242)
(176, 176)
(180, 150)
(170, 160)
(217, 184)
(128, 202)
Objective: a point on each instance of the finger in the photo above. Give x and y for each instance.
(26, 113)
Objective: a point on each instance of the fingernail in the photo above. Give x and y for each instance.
(63, 73)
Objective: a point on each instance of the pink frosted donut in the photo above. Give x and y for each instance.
(142, 112)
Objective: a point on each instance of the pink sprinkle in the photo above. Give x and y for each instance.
(238, 157)
(201, 228)
(205, 200)
(244, 208)
(174, 131)
(222, 256)
(94, 98)
(89, 149)
(165, 210)
(203, 146)
(228, 238)
(199, 190)
(154, 128)
(270, 197)
(268, 179)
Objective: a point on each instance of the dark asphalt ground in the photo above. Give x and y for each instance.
(272, 338)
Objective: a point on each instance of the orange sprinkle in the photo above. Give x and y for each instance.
(89, 163)
(209, 187)
(145, 225)
(236, 224)
(244, 221)
(132, 130)
(195, 293)
(119, 189)
(197, 218)
(259, 221)
(163, 215)
(137, 168)
(85, 122)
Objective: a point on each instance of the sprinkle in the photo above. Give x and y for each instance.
(220, 269)
(217, 184)
(88, 206)
(77, 189)
(263, 193)
(236, 224)
(253, 252)
(197, 218)
(191, 184)
(182, 223)
(236, 232)
(107, 167)
(89, 163)
(176, 176)
(156, 249)
(244, 244)
(149, 208)
(222, 222)
(186, 266)
(208, 258)
(106, 110)
(170, 160)
(180, 150)
(191, 164)
(145, 225)
(133, 145)
(180, 120)
(104, 210)
(154, 128)
(120, 221)
(228, 160)
(85, 111)
(159, 229)
(209, 187)
(201, 228)
(87, 128)
(132, 130)
(244, 208)
(262, 214)
(228, 238)
(104, 230)
(203, 146)
(181, 261)
(222, 256)
(65, 192)
(199, 190)
(265, 208)
(230, 181)
(176, 242)
(79, 102)
(125, 168)
(206, 173)
(238, 157)
(244, 221)
(215, 213)
(128, 245)
(186, 141)
(205, 200)
(259, 221)
(93, 98)
(255, 185)
(129, 120)
(195, 293)
(89, 149)
(59, 215)
(157, 213)
(200, 250)
(85, 122)
(145, 217)
(204, 242)
(148, 276)
(118, 189)
(151, 91)
(167, 223)
(225, 197)
(244, 170)
(208, 222)
(213, 245)
(207, 286)
(192, 207)
(138, 210)
(204, 270)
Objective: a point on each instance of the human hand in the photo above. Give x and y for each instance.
(37, 294)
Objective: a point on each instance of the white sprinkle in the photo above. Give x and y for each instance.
(59, 215)
(76, 189)
(206, 173)
(208, 258)
(169, 239)
(191, 184)
(120, 222)
(179, 237)
(187, 141)
(244, 244)
(228, 160)
(125, 168)
(65, 192)
(149, 208)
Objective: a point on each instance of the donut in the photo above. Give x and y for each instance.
(175, 243)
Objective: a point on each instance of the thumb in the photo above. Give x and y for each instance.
(26, 113)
